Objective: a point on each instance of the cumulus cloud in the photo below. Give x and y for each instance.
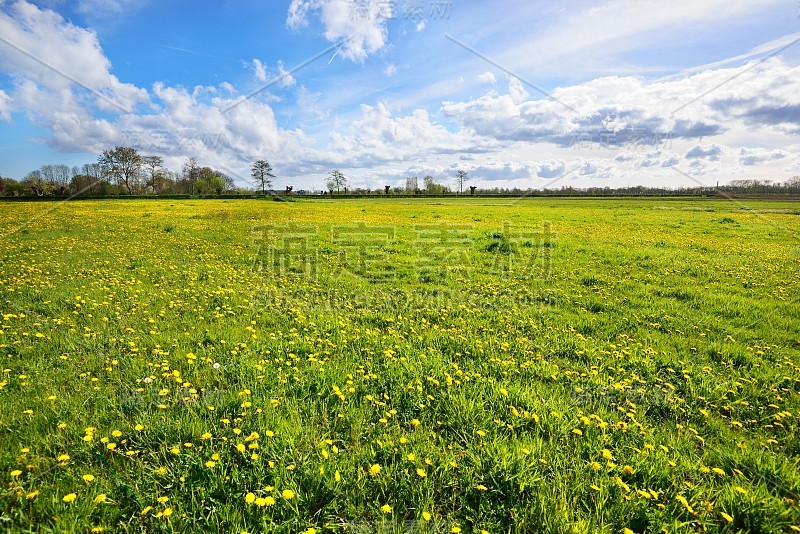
(40, 46)
(507, 135)
(551, 168)
(360, 26)
(487, 77)
(757, 156)
(621, 111)
(712, 152)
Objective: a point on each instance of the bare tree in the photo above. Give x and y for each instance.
(461, 179)
(191, 171)
(262, 174)
(154, 165)
(336, 181)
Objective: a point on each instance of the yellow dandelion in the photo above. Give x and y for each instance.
(69, 497)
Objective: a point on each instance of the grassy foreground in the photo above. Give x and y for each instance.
(419, 365)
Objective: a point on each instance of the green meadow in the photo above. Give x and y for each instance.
(400, 365)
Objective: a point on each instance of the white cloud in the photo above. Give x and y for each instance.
(757, 156)
(284, 77)
(5, 106)
(631, 110)
(360, 26)
(259, 70)
(421, 25)
(58, 55)
(486, 77)
(711, 152)
(551, 169)
(390, 70)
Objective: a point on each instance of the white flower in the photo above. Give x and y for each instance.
(216, 366)
(147, 380)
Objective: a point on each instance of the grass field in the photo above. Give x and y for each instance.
(542, 365)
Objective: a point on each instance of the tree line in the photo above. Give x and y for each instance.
(120, 171)
(123, 171)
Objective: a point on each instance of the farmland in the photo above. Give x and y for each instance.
(427, 365)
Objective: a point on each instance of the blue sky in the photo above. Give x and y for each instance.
(518, 93)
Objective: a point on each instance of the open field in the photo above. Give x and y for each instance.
(484, 364)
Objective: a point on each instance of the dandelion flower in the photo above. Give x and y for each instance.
(100, 498)
(249, 498)
(386, 509)
(69, 497)
(374, 470)
(87, 477)
(287, 494)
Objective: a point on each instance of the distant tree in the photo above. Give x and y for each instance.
(2, 186)
(191, 172)
(37, 184)
(124, 166)
(336, 181)
(412, 184)
(154, 166)
(429, 183)
(93, 170)
(461, 179)
(262, 174)
(13, 188)
(213, 181)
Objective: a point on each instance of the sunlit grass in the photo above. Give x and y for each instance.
(552, 366)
